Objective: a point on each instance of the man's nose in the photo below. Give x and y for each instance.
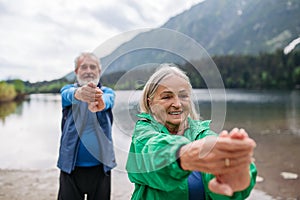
(88, 69)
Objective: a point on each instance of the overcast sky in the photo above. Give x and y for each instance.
(40, 39)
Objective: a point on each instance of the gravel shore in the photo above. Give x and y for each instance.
(43, 185)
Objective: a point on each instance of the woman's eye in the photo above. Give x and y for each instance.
(166, 97)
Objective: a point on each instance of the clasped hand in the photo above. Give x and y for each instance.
(228, 157)
(92, 95)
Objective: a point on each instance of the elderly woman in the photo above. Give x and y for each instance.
(173, 155)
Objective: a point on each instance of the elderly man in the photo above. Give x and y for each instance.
(86, 154)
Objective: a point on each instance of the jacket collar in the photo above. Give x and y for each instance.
(196, 127)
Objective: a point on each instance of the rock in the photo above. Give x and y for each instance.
(259, 179)
(289, 175)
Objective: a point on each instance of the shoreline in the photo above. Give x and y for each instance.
(43, 185)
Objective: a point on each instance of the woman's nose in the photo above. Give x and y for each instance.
(176, 102)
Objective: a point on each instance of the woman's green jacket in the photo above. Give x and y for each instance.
(152, 162)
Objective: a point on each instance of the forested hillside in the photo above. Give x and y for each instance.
(263, 71)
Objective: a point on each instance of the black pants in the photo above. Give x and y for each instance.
(90, 181)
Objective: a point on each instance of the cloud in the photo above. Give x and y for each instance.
(114, 17)
(3, 9)
(40, 39)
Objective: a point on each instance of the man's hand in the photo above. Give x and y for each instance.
(98, 104)
(88, 93)
(92, 95)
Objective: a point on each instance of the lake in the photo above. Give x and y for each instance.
(30, 131)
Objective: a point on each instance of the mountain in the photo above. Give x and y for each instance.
(240, 26)
(211, 28)
(221, 27)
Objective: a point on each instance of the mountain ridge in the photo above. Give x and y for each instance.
(240, 27)
(221, 27)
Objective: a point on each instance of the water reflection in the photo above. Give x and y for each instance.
(12, 107)
(293, 113)
(6, 109)
(29, 136)
(265, 112)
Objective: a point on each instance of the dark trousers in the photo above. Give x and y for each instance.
(90, 181)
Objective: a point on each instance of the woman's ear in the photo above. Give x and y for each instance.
(149, 101)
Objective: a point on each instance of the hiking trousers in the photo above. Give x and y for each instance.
(85, 183)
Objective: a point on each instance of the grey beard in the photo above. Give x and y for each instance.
(82, 82)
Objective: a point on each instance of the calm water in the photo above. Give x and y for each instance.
(30, 130)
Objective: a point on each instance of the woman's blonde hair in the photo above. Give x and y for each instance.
(164, 70)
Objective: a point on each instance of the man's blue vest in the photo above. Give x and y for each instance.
(72, 123)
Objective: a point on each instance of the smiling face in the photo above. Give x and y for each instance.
(170, 104)
(88, 70)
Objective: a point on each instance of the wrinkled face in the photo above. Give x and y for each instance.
(88, 71)
(170, 104)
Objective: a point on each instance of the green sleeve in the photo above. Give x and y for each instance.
(152, 158)
(241, 195)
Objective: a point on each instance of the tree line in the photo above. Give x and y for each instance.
(17, 89)
(12, 90)
(263, 71)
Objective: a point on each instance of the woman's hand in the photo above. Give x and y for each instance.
(231, 182)
(227, 157)
(211, 153)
